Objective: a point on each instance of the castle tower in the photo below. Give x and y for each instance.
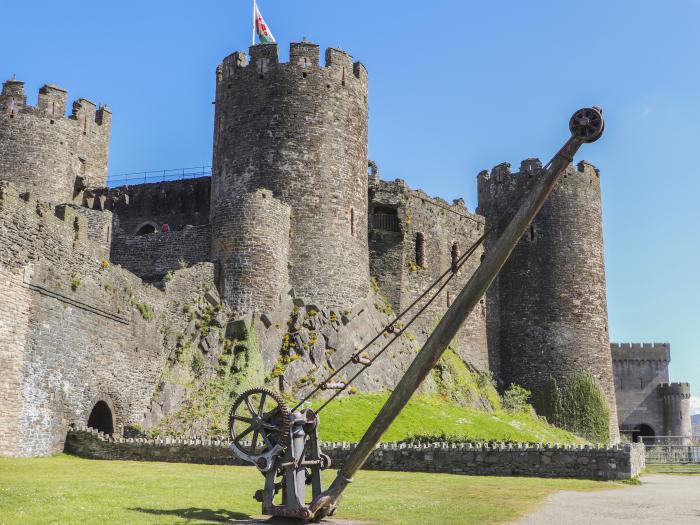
(300, 130)
(676, 402)
(46, 153)
(251, 239)
(547, 310)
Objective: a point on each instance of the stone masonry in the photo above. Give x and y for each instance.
(619, 462)
(548, 313)
(648, 405)
(47, 153)
(300, 130)
(293, 240)
(411, 239)
(74, 330)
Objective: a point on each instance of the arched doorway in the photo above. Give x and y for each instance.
(642, 431)
(146, 228)
(101, 418)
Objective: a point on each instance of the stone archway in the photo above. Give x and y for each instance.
(146, 228)
(102, 418)
(642, 431)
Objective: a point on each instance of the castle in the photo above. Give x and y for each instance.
(96, 296)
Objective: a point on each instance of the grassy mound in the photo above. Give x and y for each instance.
(434, 417)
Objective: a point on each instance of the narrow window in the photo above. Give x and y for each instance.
(420, 249)
(352, 222)
(531, 234)
(641, 383)
(448, 299)
(455, 257)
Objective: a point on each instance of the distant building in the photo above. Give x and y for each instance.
(647, 404)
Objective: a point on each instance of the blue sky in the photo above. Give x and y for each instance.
(455, 87)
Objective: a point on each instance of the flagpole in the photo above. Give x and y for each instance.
(254, 6)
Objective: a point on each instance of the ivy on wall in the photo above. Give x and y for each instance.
(581, 407)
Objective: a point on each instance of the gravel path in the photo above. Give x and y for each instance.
(660, 500)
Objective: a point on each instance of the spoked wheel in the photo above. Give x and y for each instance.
(259, 421)
(587, 124)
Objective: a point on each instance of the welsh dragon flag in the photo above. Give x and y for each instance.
(263, 32)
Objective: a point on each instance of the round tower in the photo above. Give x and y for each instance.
(547, 309)
(299, 129)
(676, 403)
(250, 239)
(46, 153)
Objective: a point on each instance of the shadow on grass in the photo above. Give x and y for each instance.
(195, 514)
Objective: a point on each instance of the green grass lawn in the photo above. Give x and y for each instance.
(692, 469)
(65, 489)
(346, 419)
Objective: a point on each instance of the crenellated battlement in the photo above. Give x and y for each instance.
(502, 173)
(641, 352)
(681, 390)
(48, 152)
(304, 57)
(400, 191)
(52, 102)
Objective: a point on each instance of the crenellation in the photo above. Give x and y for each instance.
(530, 166)
(53, 100)
(263, 56)
(47, 152)
(304, 54)
(500, 171)
(13, 97)
(303, 57)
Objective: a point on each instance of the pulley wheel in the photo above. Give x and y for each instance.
(587, 124)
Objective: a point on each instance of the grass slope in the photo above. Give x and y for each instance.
(67, 490)
(346, 419)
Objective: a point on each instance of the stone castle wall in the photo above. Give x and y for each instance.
(251, 246)
(175, 203)
(71, 328)
(152, 256)
(550, 297)
(300, 130)
(47, 153)
(639, 371)
(411, 238)
(549, 461)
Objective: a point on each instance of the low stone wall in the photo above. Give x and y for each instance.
(617, 462)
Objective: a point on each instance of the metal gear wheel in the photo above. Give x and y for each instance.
(259, 421)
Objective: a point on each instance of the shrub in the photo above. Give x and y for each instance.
(547, 402)
(144, 310)
(197, 363)
(585, 409)
(517, 399)
(75, 284)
